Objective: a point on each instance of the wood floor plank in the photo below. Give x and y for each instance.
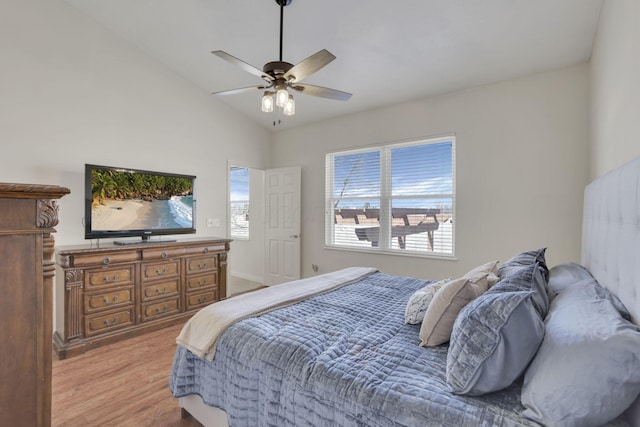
(122, 384)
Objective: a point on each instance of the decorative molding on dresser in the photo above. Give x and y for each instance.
(112, 292)
(28, 214)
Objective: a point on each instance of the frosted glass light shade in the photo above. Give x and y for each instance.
(267, 102)
(281, 97)
(289, 107)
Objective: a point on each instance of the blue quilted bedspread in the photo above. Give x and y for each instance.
(344, 358)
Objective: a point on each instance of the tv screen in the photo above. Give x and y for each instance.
(121, 202)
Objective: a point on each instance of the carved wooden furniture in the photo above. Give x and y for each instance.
(28, 214)
(109, 293)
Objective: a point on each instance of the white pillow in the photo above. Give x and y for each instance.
(420, 300)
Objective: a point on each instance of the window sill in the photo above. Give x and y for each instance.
(401, 253)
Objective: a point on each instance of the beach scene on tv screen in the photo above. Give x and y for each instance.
(139, 201)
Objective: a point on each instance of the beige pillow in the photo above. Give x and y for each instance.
(443, 310)
(485, 275)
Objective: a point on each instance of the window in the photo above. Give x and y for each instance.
(397, 198)
(238, 202)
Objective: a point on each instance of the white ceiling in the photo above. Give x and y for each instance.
(387, 52)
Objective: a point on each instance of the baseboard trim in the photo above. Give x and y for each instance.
(250, 277)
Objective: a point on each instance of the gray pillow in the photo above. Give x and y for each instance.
(571, 274)
(495, 337)
(493, 340)
(524, 259)
(529, 278)
(587, 369)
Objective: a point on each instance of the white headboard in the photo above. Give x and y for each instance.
(611, 239)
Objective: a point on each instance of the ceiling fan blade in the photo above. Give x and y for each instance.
(239, 63)
(323, 92)
(240, 90)
(308, 66)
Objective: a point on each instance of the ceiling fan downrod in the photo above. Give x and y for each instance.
(282, 4)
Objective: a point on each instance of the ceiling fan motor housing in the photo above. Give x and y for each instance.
(276, 68)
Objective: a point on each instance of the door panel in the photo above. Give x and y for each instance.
(283, 224)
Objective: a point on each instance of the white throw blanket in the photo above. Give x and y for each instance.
(200, 334)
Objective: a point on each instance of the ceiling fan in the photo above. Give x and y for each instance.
(280, 76)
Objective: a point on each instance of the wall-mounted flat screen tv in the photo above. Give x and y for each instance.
(122, 202)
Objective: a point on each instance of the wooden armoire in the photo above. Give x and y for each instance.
(28, 214)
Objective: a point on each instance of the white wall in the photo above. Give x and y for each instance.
(615, 87)
(73, 93)
(522, 164)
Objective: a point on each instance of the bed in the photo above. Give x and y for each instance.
(335, 349)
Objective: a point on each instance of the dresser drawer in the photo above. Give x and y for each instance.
(107, 300)
(90, 260)
(159, 253)
(201, 299)
(197, 282)
(159, 309)
(109, 277)
(153, 271)
(102, 323)
(161, 289)
(209, 249)
(202, 264)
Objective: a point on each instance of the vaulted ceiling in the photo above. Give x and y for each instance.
(388, 52)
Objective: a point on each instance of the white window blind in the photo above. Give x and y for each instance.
(238, 202)
(398, 197)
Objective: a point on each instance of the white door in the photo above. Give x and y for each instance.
(282, 200)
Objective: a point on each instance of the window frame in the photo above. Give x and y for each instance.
(386, 197)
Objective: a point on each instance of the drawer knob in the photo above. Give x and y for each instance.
(113, 322)
(106, 261)
(163, 291)
(163, 255)
(112, 301)
(161, 272)
(206, 250)
(163, 310)
(107, 280)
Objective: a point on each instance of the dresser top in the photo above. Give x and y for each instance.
(152, 244)
(32, 191)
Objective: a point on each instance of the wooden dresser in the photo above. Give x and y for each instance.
(109, 293)
(28, 214)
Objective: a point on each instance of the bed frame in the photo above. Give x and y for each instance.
(610, 251)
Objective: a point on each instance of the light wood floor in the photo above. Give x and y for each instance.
(122, 384)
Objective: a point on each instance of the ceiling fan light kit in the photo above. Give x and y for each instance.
(281, 76)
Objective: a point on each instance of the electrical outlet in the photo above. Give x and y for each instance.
(314, 267)
(213, 222)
